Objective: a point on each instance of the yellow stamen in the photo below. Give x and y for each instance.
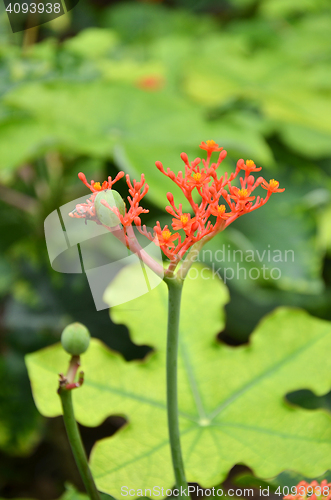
(197, 176)
(242, 193)
(273, 183)
(250, 163)
(211, 143)
(221, 209)
(184, 219)
(166, 235)
(97, 186)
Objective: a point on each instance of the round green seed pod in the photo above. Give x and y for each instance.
(114, 199)
(75, 339)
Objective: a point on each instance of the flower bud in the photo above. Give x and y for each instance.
(184, 157)
(75, 339)
(104, 214)
(250, 180)
(170, 197)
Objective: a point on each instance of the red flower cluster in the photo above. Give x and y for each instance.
(87, 210)
(312, 491)
(237, 201)
(211, 189)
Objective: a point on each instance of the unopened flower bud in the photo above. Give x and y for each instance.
(184, 157)
(196, 162)
(170, 198)
(75, 339)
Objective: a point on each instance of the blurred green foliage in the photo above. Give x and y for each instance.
(120, 86)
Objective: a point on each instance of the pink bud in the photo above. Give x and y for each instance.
(82, 176)
(184, 157)
(170, 198)
(196, 162)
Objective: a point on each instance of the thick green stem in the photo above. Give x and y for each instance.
(76, 444)
(175, 291)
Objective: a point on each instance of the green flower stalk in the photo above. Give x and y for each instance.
(174, 298)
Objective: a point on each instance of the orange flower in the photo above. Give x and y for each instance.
(98, 187)
(210, 146)
(166, 238)
(272, 186)
(219, 211)
(198, 180)
(241, 196)
(249, 166)
(184, 222)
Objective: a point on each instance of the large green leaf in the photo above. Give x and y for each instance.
(232, 403)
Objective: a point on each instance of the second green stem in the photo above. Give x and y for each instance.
(175, 292)
(76, 444)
